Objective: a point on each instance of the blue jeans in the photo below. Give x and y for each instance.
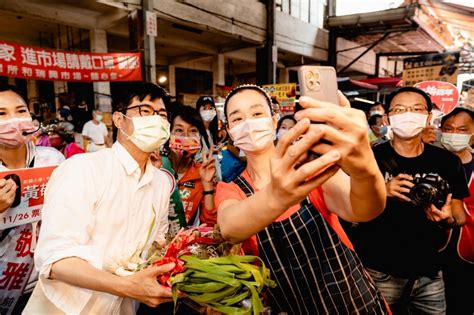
(427, 295)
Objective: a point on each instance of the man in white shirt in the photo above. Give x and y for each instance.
(103, 210)
(95, 132)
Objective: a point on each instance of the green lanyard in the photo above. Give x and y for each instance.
(175, 196)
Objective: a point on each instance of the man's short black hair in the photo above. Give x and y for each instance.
(373, 119)
(457, 111)
(141, 90)
(376, 103)
(413, 89)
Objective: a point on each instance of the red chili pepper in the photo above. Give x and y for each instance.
(180, 246)
(178, 268)
(206, 240)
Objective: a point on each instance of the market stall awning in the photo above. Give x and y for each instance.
(383, 82)
(412, 29)
(347, 84)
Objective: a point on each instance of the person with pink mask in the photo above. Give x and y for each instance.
(17, 151)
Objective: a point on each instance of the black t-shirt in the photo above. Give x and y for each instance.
(402, 241)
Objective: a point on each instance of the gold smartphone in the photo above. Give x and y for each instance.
(319, 82)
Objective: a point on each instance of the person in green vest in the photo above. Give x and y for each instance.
(186, 158)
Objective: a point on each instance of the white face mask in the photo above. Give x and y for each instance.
(208, 114)
(408, 125)
(149, 132)
(375, 112)
(253, 134)
(281, 133)
(455, 142)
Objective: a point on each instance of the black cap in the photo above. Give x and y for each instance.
(413, 89)
(203, 100)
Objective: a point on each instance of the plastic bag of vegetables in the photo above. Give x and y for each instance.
(210, 272)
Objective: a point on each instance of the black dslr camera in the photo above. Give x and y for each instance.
(429, 189)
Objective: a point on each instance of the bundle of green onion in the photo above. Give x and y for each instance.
(229, 284)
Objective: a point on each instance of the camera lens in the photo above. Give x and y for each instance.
(422, 194)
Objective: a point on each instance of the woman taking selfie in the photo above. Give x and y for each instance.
(285, 206)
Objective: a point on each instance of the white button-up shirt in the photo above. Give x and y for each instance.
(97, 208)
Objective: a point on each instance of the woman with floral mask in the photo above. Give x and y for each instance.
(285, 207)
(195, 180)
(17, 151)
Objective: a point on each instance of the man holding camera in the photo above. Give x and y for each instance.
(425, 187)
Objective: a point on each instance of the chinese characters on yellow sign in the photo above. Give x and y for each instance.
(285, 94)
(432, 67)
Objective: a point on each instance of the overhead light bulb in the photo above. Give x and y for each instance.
(162, 79)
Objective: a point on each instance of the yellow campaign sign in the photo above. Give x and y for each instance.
(284, 93)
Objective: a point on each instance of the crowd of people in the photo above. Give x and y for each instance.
(353, 212)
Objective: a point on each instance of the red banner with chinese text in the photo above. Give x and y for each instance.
(28, 62)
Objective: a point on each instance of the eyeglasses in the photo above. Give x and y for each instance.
(414, 109)
(148, 110)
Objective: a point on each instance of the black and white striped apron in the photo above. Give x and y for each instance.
(315, 272)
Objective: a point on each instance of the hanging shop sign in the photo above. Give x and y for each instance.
(28, 62)
(431, 67)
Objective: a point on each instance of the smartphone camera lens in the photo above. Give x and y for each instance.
(312, 80)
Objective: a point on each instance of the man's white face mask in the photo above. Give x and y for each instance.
(408, 125)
